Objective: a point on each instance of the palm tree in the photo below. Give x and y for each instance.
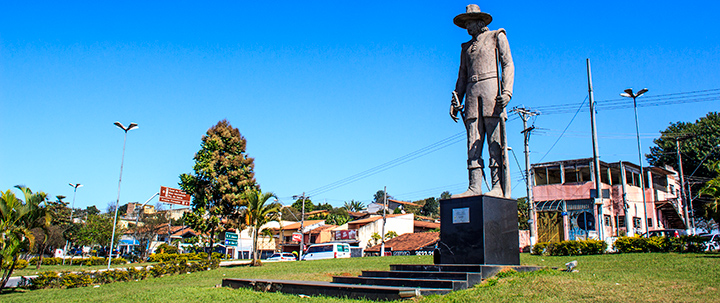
(354, 206)
(712, 189)
(258, 213)
(17, 218)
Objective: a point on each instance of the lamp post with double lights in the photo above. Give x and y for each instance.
(629, 94)
(117, 203)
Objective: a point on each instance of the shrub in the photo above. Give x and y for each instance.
(118, 260)
(19, 264)
(137, 274)
(72, 280)
(659, 244)
(167, 249)
(570, 248)
(48, 279)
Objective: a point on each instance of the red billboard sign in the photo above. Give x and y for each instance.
(346, 234)
(296, 237)
(174, 196)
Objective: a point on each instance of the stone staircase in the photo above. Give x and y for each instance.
(402, 281)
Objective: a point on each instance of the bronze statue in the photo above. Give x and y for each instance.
(486, 95)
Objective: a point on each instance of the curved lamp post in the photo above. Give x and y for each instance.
(629, 94)
(117, 203)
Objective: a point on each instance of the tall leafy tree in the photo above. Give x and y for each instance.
(379, 197)
(17, 219)
(257, 213)
(221, 174)
(431, 208)
(699, 149)
(712, 189)
(298, 204)
(445, 195)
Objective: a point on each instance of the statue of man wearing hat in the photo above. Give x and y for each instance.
(486, 94)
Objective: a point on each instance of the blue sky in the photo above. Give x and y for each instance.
(322, 90)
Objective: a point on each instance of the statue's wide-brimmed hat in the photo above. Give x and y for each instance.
(472, 12)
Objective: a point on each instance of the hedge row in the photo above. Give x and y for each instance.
(162, 257)
(570, 248)
(51, 279)
(20, 264)
(77, 261)
(660, 244)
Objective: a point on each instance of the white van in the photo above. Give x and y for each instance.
(327, 251)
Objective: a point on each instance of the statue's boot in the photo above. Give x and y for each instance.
(475, 187)
(496, 190)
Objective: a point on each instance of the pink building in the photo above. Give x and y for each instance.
(566, 206)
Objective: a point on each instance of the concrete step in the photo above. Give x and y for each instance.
(321, 288)
(486, 271)
(404, 282)
(471, 278)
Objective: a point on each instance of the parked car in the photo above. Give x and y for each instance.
(669, 233)
(712, 241)
(282, 257)
(327, 251)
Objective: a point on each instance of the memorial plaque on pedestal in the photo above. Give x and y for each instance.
(478, 230)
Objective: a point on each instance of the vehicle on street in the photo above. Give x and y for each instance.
(327, 251)
(282, 257)
(712, 241)
(669, 233)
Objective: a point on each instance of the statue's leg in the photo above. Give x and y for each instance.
(492, 126)
(475, 138)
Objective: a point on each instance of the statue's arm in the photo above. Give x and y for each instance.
(506, 61)
(461, 84)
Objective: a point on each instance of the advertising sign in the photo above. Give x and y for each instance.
(346, 234)
(296, 237)
(174, 196)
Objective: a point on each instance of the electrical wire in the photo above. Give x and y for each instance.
(568, 126)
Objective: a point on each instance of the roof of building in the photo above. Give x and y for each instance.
(315, 212)
(410, 241)
(296, 225)
(358, 214)
(373, 219)
(424, 218)
(322, 228)
(428, 225)
(403, 202)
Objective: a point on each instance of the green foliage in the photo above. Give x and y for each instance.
(167, 248)
(83, 278)
(354, 206)
(445, 195)
(431, 208)
(379, 197)
(97, 230)
(19, 264)
(683, 244)
(712, 190)
(570, 248)
(523, 209)
(258, 213)
(222, 173)
(298, 204)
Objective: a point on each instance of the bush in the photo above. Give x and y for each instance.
(659, 244)
(19, 264)
(570, 248)
(167, 249)
(48, 279)
(72, 280)
(46, 261)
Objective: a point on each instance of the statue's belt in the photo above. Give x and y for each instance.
(483, 76)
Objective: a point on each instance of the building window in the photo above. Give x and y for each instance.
(637, 223)
(649, 223)
(620, 221)
(607, 220)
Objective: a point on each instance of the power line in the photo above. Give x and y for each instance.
(566, 127)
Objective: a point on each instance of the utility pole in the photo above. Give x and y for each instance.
(525, 114)
(596, 161)
(302, 226)
(682, 183)
(382, 236)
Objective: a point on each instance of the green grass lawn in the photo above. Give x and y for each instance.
(651, 277)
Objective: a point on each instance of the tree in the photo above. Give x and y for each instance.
(17, 219)
(523, 209)
(379, 197)
(222, 173)
(431, 208)
(698, 146)
(354, 206)
(298, 204)
(146, 232)
(445, 195)
(712, 189)
(259, 212)
(97, 230)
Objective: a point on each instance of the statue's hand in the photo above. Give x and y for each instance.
(503, 100)
(453, 112)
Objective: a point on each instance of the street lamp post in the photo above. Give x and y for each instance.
(117, 203)
(629, 94)
(75, 186)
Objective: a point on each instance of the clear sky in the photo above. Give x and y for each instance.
(324, 90)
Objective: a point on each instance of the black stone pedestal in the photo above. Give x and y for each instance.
(478, 230)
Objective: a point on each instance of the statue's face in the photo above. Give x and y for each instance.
(474, 27)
